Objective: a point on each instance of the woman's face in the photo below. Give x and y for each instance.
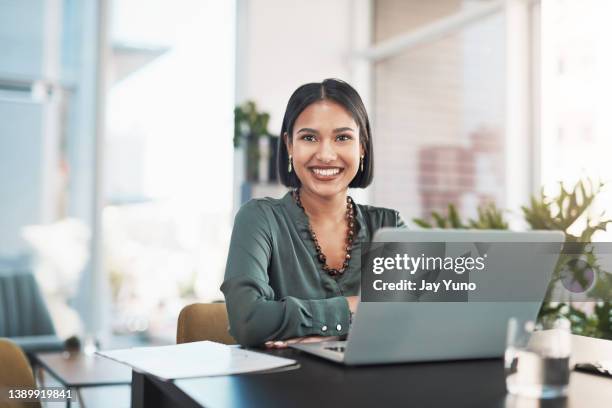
(325, 148)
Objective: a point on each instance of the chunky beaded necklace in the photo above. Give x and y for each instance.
(350, 215)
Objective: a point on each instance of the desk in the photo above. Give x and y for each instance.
(79, 370)
(319, 383)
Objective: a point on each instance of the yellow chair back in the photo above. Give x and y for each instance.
(203, 321)
(15, 373)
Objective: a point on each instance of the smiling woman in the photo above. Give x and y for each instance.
(293, 269)
(325, 160)
(326, 112)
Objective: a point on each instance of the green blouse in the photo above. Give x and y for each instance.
(274, 285)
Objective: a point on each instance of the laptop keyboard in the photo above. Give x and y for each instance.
(339, 349)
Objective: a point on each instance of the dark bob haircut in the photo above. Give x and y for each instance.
(346, 96)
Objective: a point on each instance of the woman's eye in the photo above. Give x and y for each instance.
(343, 138)
(309, 138)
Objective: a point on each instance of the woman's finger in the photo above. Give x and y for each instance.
(275, 344)
(279, 344)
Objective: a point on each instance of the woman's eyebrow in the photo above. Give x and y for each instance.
(342, 129)
(307, 130)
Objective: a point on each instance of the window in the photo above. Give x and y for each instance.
(440, 110)
(576, 87)
(168, 161)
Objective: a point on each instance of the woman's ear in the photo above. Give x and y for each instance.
(288, 143)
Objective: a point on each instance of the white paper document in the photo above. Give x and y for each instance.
(199, 359)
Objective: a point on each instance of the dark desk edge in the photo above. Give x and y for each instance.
(76, 384)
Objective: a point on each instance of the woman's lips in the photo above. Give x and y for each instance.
(326, 173)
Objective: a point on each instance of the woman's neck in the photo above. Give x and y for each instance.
(319, 208)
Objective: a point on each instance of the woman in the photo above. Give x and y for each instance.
(293, 269)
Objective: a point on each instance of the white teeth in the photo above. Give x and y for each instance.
(326, 172)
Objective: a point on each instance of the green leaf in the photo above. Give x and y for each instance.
(422, 223)
(453, 217)
(440, 220)
(249, 123)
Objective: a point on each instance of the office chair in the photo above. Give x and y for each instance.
(24, 317)
(203, 321)
(15, 373)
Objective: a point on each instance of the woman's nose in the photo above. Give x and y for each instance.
(326, 152)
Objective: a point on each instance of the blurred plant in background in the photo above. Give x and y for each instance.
(249, 126)
(489, 217)
(249, 122)
(567, 211)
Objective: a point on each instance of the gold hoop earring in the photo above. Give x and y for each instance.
(361, 166)
(290, 161)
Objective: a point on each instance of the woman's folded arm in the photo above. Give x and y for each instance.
(255, 314)
(255, 317)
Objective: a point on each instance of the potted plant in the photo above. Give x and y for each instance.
(249, 126)
(561, 212)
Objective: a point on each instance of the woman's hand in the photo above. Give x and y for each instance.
(281, 344)
(353, 302)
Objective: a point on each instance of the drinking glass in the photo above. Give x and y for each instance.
(537, 358)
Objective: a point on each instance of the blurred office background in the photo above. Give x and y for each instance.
(119, 176)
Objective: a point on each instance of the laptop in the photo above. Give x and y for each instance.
(397, 332)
